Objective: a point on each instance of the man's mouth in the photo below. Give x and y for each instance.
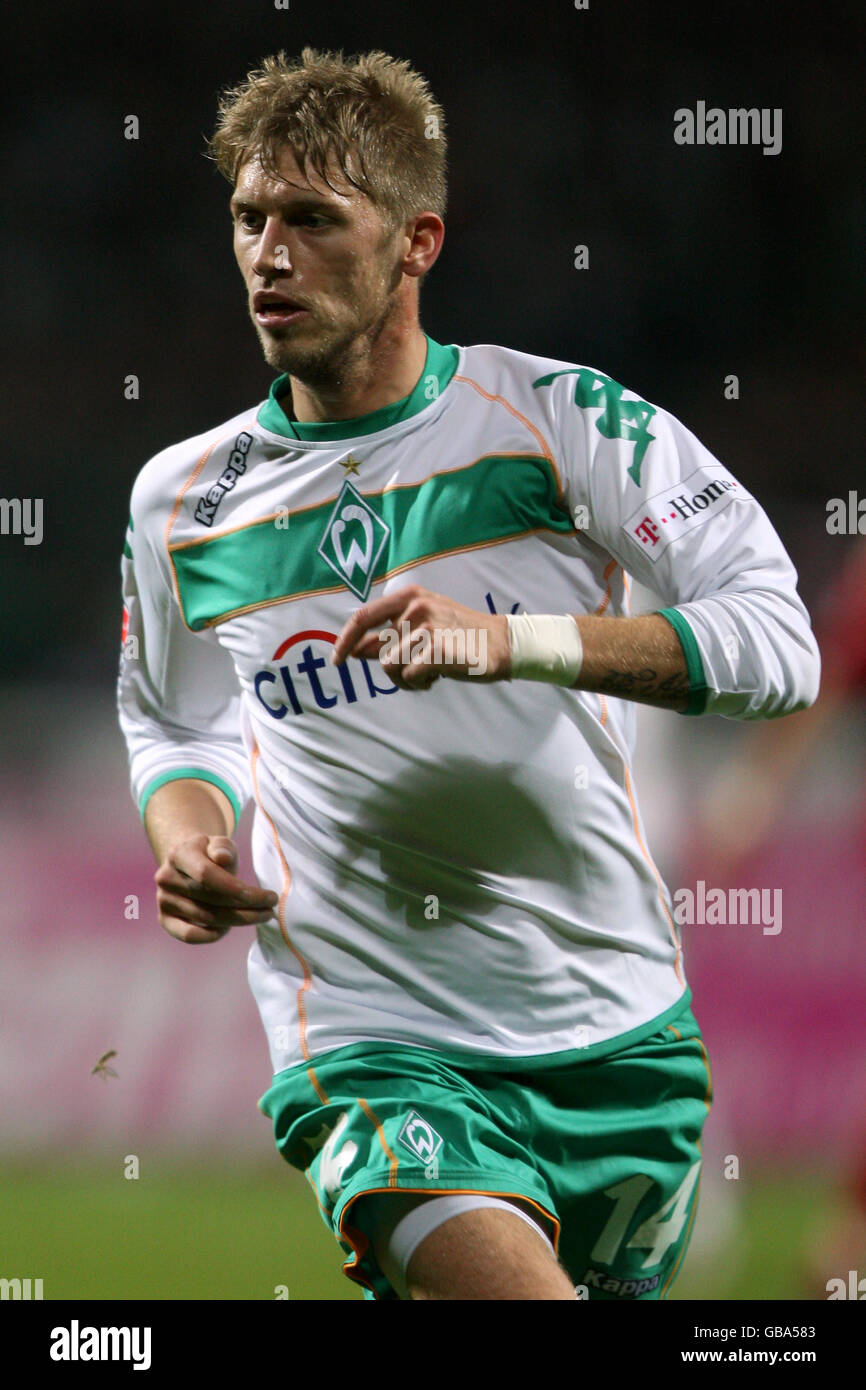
(276, 310)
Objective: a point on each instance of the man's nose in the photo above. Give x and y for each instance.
(272, 253)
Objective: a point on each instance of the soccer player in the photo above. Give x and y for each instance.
(390, 605)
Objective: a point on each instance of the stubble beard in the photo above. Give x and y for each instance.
(315, 364)
(328, 361)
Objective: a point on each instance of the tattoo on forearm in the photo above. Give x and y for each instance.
(646, 685)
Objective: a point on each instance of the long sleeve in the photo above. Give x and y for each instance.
(673, 516)
(178, 693)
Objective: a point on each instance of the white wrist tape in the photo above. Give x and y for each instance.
(544, 648)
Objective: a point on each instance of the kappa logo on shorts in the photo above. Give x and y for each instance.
(421, 1139)
(623, 1288)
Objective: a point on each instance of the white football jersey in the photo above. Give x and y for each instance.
(464, 869)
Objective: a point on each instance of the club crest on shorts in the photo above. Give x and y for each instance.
(421, 1139)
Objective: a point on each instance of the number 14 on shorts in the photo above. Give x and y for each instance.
(657, 1233)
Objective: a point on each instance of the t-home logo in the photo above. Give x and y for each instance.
(668, 515)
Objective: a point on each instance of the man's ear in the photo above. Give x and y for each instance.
(424, 234)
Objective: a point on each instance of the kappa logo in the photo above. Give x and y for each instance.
(421, 1139)
(623, 1288)
(619, 419)
(353, 541)
(237, 465)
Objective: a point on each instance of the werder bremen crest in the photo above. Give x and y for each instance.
(353, 541)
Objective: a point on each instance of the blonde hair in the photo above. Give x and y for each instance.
(371, 113)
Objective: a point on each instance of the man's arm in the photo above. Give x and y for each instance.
(632, 658)
(198, 895)
(178, 701)
(187, 807)
(646, 492)
(733, 637)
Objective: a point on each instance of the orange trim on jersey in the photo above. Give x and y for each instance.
(512, 410)
(647, 856)
(318, 1087)
(393, 1160)
(382, 579)
(316, 506)
(603, 699)
(676, 1032)
(607, 576)
(178, 503)
(361, 1245)
(281, 907)
(271, 603)
(464, 550)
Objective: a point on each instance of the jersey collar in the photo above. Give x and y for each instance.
(440, 364)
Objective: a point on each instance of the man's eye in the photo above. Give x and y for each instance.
(248, 220)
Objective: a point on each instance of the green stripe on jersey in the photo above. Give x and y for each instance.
(496, 498)
(694, 665)
(195, 773)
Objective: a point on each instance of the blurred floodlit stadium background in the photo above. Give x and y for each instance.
(702, 263)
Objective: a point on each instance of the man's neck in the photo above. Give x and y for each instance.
(385, 373)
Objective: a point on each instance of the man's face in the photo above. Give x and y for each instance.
(320, 266)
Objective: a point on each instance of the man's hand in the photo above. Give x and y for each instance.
(198, 896)
(418, 636)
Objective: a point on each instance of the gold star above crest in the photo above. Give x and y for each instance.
(351, 464)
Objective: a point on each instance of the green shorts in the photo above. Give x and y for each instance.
(604, 1143)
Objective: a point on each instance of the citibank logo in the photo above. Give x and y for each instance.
(301, 678)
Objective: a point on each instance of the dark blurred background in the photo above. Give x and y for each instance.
(704, 262)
